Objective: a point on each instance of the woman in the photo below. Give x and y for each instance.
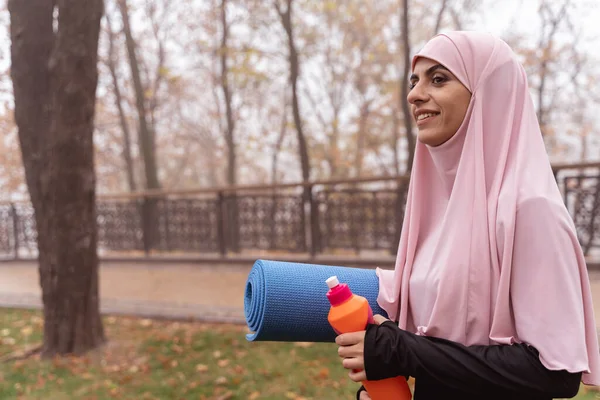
(490, 296)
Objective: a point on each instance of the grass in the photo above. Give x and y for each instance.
(149, 359)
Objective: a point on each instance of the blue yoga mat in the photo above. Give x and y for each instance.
(286, 302)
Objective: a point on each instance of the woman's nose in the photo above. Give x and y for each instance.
(417, 94)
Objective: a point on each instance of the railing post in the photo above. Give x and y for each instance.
(165, 200)
(271, 221)
(593, 216)
(146, 240)
(354, 208)
(15, 218)
(221, 223)
(400, 192)
(315, 230)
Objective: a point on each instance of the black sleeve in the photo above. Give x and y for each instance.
(390, 351)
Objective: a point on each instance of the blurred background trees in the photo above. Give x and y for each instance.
(204, 93)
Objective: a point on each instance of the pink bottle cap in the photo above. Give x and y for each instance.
(338, 292)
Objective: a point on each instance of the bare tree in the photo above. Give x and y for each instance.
(229, 127)
(54, 77)
(230, 122)
(146, 138)
(363, 116)
(159, 74)
(279, 141)
(405, 45)
(440, 17)
(112, 67)
(285, 15)
(550, 23)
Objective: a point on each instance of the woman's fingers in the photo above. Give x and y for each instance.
(358, 376)
(364, 395)
(350, 351)
(348, 339)
(353, 363)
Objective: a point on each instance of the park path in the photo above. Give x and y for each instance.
(172, 290)
(207, 292)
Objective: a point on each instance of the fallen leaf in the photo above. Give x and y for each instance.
(223, 363)
(239, 369)
(125, 379)
(324, 373)
(172, 382)
(303, 344)
(5, 332)
(115, 368)
(254, 396)
(177, 349)
(201, 368)
(221, 380)
(236, 380)
(8, 341)
(225, 396)
(217, 354)
(146, 322)
(241, 354)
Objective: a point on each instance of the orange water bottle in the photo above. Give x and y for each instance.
(351, 313)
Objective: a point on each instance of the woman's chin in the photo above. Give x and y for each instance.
(433, 138)
(429, 138)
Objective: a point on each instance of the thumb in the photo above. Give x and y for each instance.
(364, 396)
(379, 319)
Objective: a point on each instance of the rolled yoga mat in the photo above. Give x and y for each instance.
(286, 302)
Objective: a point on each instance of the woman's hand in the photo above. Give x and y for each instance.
(351, 350)
(364, 395)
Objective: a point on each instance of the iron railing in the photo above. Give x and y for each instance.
(350, 215)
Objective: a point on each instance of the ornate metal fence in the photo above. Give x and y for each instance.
(349, 215)
(583, 201)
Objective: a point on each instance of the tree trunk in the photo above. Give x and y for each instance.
(286, 21)
(410, 139)
(365, 110)
(545, 44)
(230, 127)
(119, 103)
(279, 143)
(229, 130)
(274, 171)
(146, 140)
(54, 81)
(146, 135)
(440, 17)
(395, 140)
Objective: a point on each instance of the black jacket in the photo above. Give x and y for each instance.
(446, 369)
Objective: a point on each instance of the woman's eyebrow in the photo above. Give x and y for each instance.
(429, 71)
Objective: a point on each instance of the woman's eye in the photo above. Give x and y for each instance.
(411, 85)
(438, 79)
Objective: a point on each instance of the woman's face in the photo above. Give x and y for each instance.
(439, 101)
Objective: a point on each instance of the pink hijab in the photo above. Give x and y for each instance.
(488, 252)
